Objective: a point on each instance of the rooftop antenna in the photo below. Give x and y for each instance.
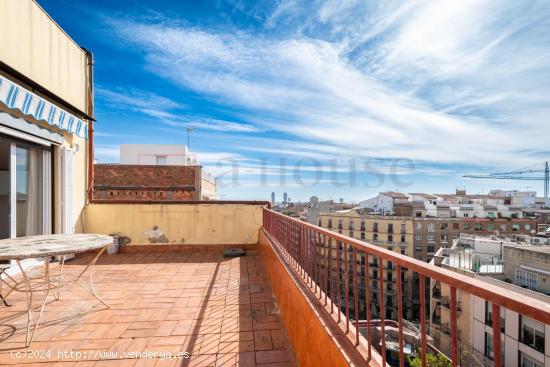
(189, 129)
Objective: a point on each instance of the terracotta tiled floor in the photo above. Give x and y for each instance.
(221, 311)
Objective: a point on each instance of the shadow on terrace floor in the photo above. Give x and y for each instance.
(221, 311)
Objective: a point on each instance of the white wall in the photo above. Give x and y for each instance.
(146, 154)
(380, 203)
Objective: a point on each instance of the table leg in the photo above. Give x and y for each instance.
(30, 312)
(90, 288)
(61, 264)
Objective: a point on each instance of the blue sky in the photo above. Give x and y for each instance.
(338, 98)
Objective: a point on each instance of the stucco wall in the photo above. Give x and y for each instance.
(34, 45)
(313, 341)
(190, 224)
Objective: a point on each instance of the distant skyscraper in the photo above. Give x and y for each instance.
(273, 197)
(285, 198)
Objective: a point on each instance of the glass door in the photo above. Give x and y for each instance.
(25, 190)
(29, 191)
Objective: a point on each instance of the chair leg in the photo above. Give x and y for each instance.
(4, 301)
(2, 297)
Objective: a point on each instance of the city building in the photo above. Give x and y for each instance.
(497, 262)
(154, 172)
(390, 232)
(273, 198)
(46, 124)
(384, 202)
(157, 154)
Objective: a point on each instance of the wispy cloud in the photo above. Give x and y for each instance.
(166, 110)
(440, 82)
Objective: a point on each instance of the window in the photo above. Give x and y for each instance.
(418, 214)
(503, 227)
(466, 215)
(479, 226)
(431, 249)
(363, 226)
(329, 223)
(390, 228)
(351, 233)
(161, 160)
(418, 225)
(527, 279)
(527, 227)
(430, 237)
(444, 226)
(444, 238)
(490, 215)
(340, 224)
(362, 236)
(418, 248)
(375, 237)
(489, 348)
(431, 227)
(526, 361)
(390, 238)
(375, 227)
(489, 316)
(515, 227)
(403, 228)
(350, 224)
(490, 226)
(419, 237)
(532, 333)
(466, 225)
(455, 225)
(403, 239)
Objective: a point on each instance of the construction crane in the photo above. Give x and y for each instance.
(516, 175)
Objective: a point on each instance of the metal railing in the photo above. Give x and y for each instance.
(314, 255)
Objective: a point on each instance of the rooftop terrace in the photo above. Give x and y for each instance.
(292, 300)
(221, 311)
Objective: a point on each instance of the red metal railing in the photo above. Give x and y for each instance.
(310, 252)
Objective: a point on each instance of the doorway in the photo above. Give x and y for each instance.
(25, 188)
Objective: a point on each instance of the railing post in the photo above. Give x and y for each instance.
(422, 290)
(400, 316)
(382, 308)
(367, 304)
(454, 330)
(496, 335)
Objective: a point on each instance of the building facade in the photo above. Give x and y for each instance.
(391, 232)
(46, 124)
(514, 268)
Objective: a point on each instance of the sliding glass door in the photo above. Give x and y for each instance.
(26, 188)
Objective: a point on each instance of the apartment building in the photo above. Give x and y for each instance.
(154, 172)
(430, 234)
(46, 120)
(527, 266)
(384, 202)
(391, 232)
(524, 341)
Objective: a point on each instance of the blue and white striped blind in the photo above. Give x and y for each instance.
(17, 97)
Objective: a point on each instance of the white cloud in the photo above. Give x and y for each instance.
(167, 111)
(442, 82)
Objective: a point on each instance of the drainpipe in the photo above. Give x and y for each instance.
(90, 112)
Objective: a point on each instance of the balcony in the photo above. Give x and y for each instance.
(284, 303)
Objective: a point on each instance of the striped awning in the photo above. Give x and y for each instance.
(15, 96)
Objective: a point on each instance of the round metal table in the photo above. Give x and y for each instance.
(46, 246)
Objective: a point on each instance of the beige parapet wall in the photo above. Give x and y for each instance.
(189, 224)
(34, 45)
